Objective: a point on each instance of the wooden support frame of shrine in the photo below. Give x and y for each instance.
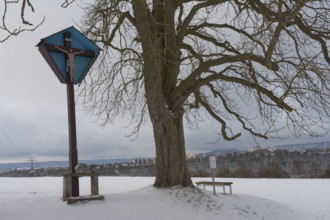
(67, 188)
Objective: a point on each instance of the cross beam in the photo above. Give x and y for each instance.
(54, 48)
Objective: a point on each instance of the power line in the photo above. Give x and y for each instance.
(31, 159)
(5, 143)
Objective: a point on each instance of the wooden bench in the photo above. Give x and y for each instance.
(209, 183)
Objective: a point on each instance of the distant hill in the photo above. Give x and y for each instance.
(304, 146)
(53, 164)
(290, 147)
(223, 151)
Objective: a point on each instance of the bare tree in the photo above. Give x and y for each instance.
(259, 64)
(6, 30)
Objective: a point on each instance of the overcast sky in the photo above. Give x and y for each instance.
(33, 108)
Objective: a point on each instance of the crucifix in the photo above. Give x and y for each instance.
(70, 54)
(70, 60)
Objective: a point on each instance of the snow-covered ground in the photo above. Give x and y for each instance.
(135, 198)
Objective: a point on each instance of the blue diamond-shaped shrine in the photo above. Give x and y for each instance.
(69, 50)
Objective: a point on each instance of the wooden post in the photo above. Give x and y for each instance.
(213, 181)
(213, 165)
(94, 184)
(67, 187)
(73, 153)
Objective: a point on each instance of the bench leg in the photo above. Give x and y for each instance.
(94, 185)
(230, 189)
(67, 190)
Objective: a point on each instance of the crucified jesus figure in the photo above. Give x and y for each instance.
(70, 61)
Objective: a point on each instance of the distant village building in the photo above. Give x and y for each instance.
(255, 149)
(145, 161)
(190, 156)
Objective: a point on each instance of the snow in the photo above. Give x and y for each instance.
(135, 198)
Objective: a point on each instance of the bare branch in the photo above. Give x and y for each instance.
(216, 117)
(6, 31)
(67, 3)
(272, 55)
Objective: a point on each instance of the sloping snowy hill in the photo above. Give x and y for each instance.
(135, 198)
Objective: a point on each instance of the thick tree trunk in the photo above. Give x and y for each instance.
(167, 121)
(161, 67)
(170, 150)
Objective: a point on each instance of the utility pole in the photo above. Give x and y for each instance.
(31, 159)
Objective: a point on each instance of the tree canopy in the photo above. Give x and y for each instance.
(231, 55)
(259, 64)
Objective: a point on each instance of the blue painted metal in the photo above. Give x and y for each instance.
(57, 60)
